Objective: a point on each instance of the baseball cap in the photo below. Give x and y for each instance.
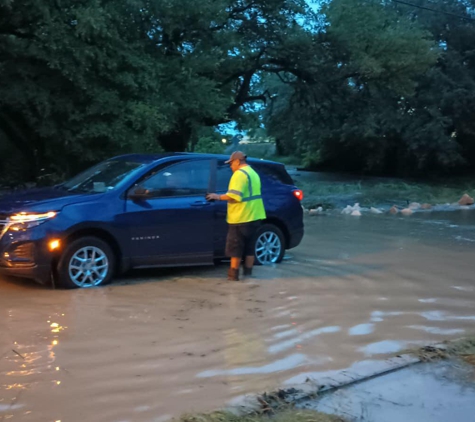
(237, 155)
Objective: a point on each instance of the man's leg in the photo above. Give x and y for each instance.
(249, 247)
(235, 263)
(233, 273)
(249, 261)
(234, 248)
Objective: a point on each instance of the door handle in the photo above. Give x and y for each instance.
(200, 203)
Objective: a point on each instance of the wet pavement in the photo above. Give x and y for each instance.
(436, 392)
(160, 343)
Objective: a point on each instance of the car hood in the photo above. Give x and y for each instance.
(41, 200)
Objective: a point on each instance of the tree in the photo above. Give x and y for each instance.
(351, 117)
(79, 81)
(224, 47)
(440, 121)
(354, 85)
(82, 80)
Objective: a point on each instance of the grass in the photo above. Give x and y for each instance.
(376, 193)
(289, 415)
(272, 407)
(463, 348)
(372, 191)
(288, 161)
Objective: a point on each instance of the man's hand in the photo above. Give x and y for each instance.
(212, 196)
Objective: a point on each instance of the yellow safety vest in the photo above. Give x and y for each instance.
(245, 189)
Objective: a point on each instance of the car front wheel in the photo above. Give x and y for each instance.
(270, 245)
(86, 262)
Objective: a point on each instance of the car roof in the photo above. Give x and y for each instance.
(143, 158)
(151, 158)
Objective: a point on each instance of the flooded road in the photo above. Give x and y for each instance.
(164, 342)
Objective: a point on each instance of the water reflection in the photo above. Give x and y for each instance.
(31, 360)
(384, 347)
(285, 345)
(361, 330)
(444, 316)
(437, 330)
(289, 362)
(378, 316)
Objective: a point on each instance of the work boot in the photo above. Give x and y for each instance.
(233, 274)
(248, 271)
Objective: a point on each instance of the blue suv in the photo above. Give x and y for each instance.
(138, 211)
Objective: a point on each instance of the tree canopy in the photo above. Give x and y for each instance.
(405, 102)
(354, 84)
(84, 79)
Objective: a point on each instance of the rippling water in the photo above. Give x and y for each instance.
(161, 343)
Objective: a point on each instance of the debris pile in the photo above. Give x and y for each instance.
(465, 202)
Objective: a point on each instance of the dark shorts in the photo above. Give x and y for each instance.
(241, 239)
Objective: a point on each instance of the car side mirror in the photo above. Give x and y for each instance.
(139, 194)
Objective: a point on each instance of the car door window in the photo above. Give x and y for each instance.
(183, 179)
(223, 177)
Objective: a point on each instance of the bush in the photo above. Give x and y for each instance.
(209, 145)
(312, 159)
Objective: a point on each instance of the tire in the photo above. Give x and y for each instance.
(266, 236)
(72, 272)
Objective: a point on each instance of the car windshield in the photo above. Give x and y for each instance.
(101, 178)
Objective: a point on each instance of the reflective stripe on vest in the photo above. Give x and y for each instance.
(251, 196)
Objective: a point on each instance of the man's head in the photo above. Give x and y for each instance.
(237, 159)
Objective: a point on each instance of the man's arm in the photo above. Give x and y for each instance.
(217, 197)
(234, 193)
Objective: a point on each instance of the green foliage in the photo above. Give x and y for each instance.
(288, 160)
(395, 94)
(376, 46)
(312, 159)
(259, 150)
(361, 85)
(209, 145)
(207, 140)
(83, 80)
(78, 82)
(383, 192)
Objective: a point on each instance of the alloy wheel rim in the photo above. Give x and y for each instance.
(268, 248)
(88, 267)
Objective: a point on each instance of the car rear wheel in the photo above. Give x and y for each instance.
(270, 245)
(86, 262)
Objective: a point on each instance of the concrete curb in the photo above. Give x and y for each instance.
(245, 405)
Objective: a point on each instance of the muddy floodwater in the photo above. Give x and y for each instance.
(160, 343)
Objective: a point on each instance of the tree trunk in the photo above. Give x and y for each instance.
(176, 141)
(279, 147)
(22, 142)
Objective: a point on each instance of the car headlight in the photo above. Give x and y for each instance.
(25, 221)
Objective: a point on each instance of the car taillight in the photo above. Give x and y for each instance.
(298, 194)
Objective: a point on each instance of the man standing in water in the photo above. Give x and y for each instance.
(245, 212)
